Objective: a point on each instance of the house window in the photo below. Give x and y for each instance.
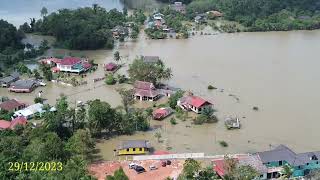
(140, 149)
(127, 150)
(307, 164)
(317, 162)
(280, 163)
(133, 149)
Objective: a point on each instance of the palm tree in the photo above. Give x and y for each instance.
(287, 171)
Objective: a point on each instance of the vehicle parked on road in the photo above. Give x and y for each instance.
(153, 167)
(139, 169)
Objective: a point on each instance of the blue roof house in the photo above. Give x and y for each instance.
(302, 163)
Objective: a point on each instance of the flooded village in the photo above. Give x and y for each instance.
(245, 96)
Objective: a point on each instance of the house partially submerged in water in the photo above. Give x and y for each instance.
(132, 147)
(193, 103)
(251, 160)
(67, 64)
(6, 81)
(145, 91)
(12, 105)
(23, 86)
(30, 111)
(302, 163)
(161, 113)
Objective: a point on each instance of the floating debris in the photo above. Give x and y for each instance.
(232, 123)
(255, 108)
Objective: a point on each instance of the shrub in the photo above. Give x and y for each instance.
(210, 87)
(223, 143)
(173, 121)
(110, 79)
(200, 119)
(38, 100)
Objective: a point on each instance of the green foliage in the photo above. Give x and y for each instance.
(80, 144)
(5, 115)
(82, 28)
(110, 80)
(127, 98)
(210, 87)
(190, 168)
(174, 98)
(36, 74)
(118, 175)
(223, 143)
(173, 121)
(38, 100)
(150, 72)
(287, 171)
(262, 15)
(234, 171)
(155, 33)
(121, 78)
(47, 73)
(22, 69)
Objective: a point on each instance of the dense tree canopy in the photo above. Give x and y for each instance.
(83, 28)
(264, 15)
(150, 72)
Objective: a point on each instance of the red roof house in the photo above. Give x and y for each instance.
(12, 124)
(73, 65)
(161, 113)
(4, 124)
(21, 120)
(145, 91)
(251, 160)
(193, 103)
(110, 67)
(12, 105)
(70, 61)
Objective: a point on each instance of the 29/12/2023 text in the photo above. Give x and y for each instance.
(35, 166)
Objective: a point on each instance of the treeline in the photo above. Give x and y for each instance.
(82, 28)
(12, 50)
(264, 15)
(66, 136)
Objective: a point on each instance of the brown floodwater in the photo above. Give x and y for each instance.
(275, 71)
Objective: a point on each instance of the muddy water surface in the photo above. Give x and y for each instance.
(276, 71)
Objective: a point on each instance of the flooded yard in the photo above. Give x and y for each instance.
(275, 71)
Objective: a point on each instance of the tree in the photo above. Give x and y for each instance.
(287, 171)
(45, 148)
(36, 74)
(191, 167)
(101, 116)
(110, 80)
(127, 98)
(44, 11)
(174, 98)
(38, 100)
(80, 144)
(236, 172)
(150, 72)
(118, 175)
(207, 174)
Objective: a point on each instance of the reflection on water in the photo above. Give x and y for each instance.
(276, 71)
